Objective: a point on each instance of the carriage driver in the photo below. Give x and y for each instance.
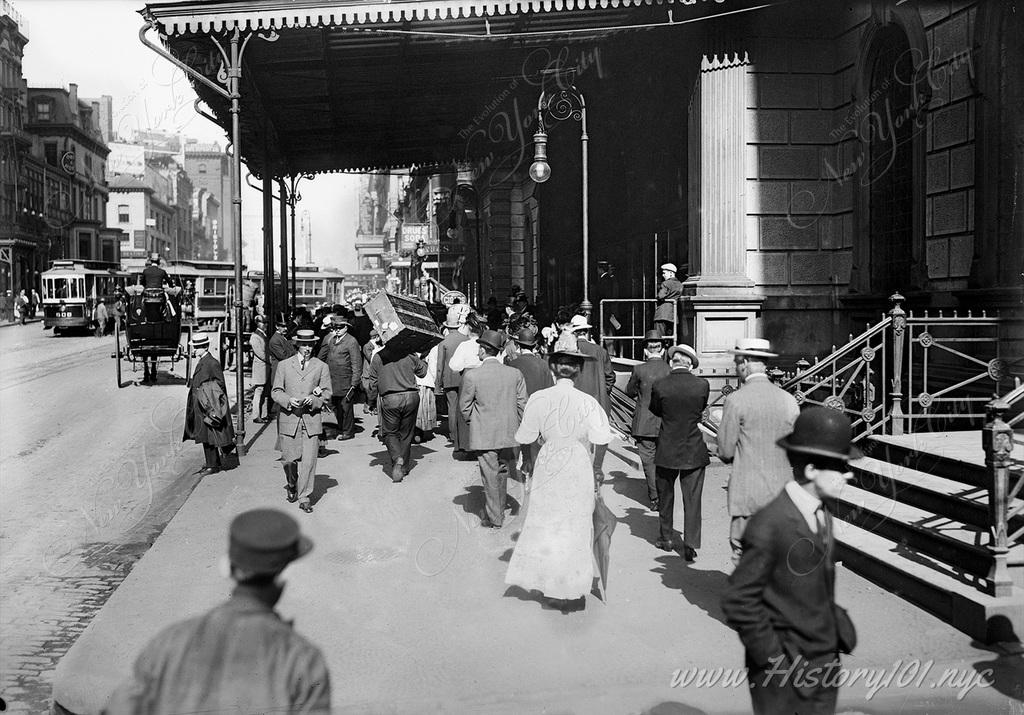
(153, 276)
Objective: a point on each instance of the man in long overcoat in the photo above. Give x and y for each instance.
(279, 348)
(344, 359)
(448, 380)
(207, 419)
(754, 419)
(679, 400)
(492, 399)
(302, 384)
(598, 377)
(646, 424)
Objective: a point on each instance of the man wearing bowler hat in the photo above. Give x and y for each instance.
(780, 598)
(679, 400)
(646, 424)
(302, 384)
(340, 351)
(492, 400)
(239, 657)
(754, 418)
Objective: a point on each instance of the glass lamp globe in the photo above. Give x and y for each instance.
(540, 171)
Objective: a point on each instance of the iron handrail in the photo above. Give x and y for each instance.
(836, 354)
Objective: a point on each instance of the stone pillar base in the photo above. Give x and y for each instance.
(718, 321)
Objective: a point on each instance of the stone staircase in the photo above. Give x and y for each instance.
(915, 520)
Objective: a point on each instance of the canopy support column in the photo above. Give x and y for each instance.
(268, 271)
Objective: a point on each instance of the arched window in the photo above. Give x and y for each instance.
(888, 132)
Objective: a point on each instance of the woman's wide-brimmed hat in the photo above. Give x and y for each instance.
(685, 350)
(579, 322)
(822, 432)
(456, 315)
(753, 347)
(568, 346)
(305, 336)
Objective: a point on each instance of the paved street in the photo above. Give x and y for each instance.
(89, 474)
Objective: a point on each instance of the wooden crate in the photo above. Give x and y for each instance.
(403, 323)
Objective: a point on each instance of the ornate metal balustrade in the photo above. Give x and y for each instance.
(998, 439)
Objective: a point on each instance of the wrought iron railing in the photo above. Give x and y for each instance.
(629, 318)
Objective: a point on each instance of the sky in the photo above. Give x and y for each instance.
(95, 44)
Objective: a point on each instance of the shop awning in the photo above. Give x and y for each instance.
(378, 85)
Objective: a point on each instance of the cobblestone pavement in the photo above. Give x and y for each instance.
(89, 475)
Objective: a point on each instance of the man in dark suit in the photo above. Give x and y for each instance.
(535, 370)
(448, 381)
(279, 348)
(203, 423)
(679, 400)
(781, 597)
(153, 276)
(345, 361)
(492, 399)
(597, 378)
(646, 425)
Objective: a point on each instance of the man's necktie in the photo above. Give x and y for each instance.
(824, 527)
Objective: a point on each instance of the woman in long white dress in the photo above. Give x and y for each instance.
(554, 552)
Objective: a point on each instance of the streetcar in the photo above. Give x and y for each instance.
(72, 288)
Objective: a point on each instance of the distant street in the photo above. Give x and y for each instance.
(89, 475)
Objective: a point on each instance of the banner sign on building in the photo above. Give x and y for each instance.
(127, 159)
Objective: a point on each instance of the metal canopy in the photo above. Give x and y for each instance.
(371, 86)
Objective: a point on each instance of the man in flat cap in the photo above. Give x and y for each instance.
(679, 400)
(345, 361)
(754, 418)
(667, 310)
(239, 657)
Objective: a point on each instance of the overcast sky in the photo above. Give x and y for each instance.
(95, 44)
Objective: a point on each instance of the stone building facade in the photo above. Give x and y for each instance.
(207, 166)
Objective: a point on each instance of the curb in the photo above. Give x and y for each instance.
(16, 322)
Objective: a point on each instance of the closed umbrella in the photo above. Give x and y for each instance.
(604, 526)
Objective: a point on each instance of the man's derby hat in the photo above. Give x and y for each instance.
(338, 321)
(823, 432)
(492, 338)
(526, 336)
(264, 541)
(654, 336)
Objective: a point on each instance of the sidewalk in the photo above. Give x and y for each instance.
(5, 324)
(405, 595)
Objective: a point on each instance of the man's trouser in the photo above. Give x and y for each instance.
(645, 447)
(302, 450)
(496, 466)
(344, 413)
(458, 428)
(691, 486)
(398, 422)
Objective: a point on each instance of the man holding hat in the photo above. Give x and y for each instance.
(302, 384)
(344, 359)
(646, 424)
(448, 381)
(598, 377)
(207, 418)
(239, 657)
(780, 598)
(392, 382)
(754, 418)
(669, 293)
(492, 400)
(679, 400)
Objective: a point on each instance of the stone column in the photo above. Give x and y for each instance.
(721, 303)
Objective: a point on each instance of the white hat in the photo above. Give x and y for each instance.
(753, 347)
(669, 267)
(579, 322)
(685, 350)
(457, 315)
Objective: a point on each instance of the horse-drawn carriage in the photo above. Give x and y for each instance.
(153, 330)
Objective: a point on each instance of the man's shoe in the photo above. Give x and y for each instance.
(206, 471)
(343, 437)
(655, 505)
(663, 545)
(689, 553)
(398, 470)
(291, 474)
(486, 523)
(306, 507)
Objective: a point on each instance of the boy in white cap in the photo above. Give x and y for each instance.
(668, 295)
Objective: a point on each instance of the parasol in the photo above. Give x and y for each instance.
(604, 526)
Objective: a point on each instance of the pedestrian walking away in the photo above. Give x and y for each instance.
(302, 384)
(448, 380)
(260, 393)
(754, 419)
(100, 316)
(781, 597)
(679, 400)
(341, 352)
(598, 377)
(426, 415)
(645, 424)
(392, 382)
(554, 554)
(492, 400)
(537, 374)
(207, 414)
(239, 657)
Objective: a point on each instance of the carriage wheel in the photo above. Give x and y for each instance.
(117, 350)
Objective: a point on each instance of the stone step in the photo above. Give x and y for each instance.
(960, 604)
(938, 495)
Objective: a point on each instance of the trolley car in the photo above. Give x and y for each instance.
(72, 288)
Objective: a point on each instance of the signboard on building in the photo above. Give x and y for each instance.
(129, 159)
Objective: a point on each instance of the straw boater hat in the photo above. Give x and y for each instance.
(579, 322)
(568, 346)
(669, 267)
(685, 350)
(305, 336)
(753, 347)
(822, 432)
(201, 341)
(264, 541)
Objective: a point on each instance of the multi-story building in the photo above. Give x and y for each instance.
(206, 210)
(139, 208)
(207, 165)
(179, 199)
(74, 157)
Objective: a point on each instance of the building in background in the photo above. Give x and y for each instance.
(207, 166)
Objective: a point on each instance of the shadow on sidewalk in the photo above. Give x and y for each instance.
(321, 484)
(701, 588)
(630, 487)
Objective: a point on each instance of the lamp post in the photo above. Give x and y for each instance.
(560, 106)
(292, 197)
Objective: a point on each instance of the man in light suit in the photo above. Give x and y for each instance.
(781, 597)
(448, 381)
(645, 424)
(492, 399)
(302, 384)
(597, 378)
(679, 400)
(754, 419)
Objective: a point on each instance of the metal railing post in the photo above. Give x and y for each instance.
(899, 326)
(997, 441)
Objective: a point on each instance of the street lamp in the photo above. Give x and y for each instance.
(560, 106)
